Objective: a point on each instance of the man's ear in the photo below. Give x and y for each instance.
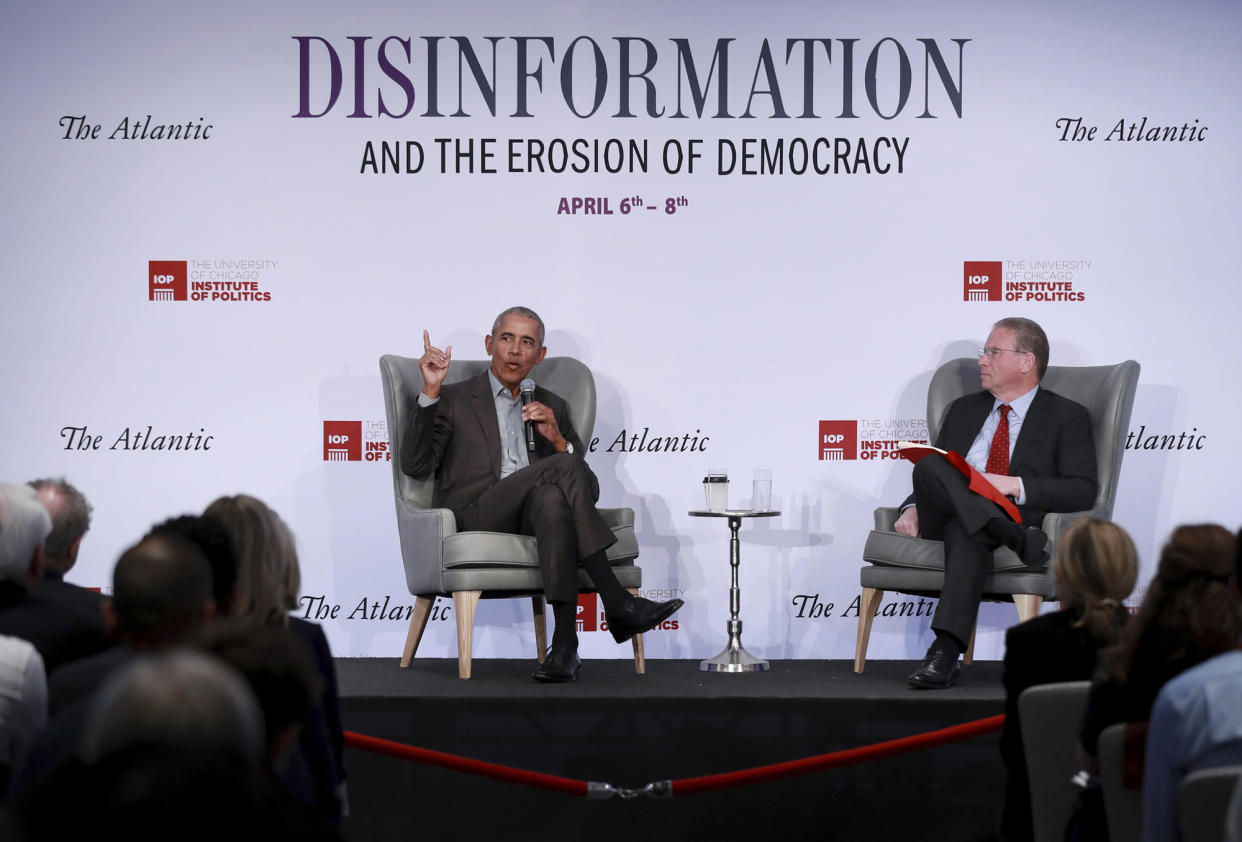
(109, 617)
(543, 352)
(36, 564)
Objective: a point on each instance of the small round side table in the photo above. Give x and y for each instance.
(734, 658)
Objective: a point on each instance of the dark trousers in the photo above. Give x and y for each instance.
(550, 499)
(950, 512)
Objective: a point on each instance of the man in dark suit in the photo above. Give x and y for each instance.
(63, 622)
(161, 598)
(71, 518)
(1033, 446)
(471, 435)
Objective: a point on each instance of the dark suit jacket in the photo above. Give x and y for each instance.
(63, 621)
(322, 742)
(1044, 650)
(78, 681)
(1054, 454)
(458, 440)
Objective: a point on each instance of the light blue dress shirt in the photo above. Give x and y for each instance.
(977, 456)
(1196, 723)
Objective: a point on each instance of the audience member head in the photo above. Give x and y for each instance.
(1095, 567)
(268, 578)
(71, 518)
(179, 699)
(174, 750)
(161, 592)
(1190, 611)
(24, 526)
(211, 537)
(277, 668)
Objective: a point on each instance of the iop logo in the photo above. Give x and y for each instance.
(838, 440)
(588, 612)
(342, 441)
(981, 280)
(168, 280)
(356, 441)
(591, 617)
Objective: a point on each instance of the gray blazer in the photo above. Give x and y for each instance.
(458, 440)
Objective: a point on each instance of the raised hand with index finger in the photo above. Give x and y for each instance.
(434, 365)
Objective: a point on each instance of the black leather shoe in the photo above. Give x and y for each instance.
(640, 615)
(560, 666)
(1032, 546)
(938, 671)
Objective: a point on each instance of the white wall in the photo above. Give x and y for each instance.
(764, 305)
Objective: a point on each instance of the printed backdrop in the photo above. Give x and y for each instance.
(763, 226)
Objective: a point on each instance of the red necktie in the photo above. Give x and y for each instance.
(998, 455)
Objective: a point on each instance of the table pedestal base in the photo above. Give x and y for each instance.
(734, 658)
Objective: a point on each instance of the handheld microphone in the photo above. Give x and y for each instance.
(527, 388)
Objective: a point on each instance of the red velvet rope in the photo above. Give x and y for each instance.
(686, 786)
(568, 786)
(848, 757)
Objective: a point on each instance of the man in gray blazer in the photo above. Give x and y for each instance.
(1033, 446)
(471, 435)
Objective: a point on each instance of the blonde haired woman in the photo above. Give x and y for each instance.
(1095, 566)
(268, 581)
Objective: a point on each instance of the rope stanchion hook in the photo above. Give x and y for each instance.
(601, 791)
(659, 789)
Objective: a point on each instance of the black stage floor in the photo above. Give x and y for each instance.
(675, 722)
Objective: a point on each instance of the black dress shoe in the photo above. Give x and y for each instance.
(640, 615)
(937, 672)
(1029, 543)
(561, 665)
(1032, 546)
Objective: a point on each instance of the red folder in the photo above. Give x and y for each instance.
(976, 481)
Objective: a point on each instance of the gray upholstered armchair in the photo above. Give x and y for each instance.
(440, 561)
(916, 565)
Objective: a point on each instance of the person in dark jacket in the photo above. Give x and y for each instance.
(1095, 566)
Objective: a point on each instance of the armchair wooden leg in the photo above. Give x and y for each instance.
(418, 624)
(464, 603)
(1028, 605)
(969, 657)
(867, 605)
(640, 659)
(541, 628)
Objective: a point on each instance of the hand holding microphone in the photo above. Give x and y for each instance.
(539, 418)
(527, 388)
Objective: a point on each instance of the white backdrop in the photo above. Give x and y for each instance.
(765, 304)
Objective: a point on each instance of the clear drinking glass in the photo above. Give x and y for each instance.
(761, 490)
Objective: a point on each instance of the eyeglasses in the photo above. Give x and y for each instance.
(991, 352)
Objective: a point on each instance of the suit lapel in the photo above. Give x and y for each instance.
(1030, 424)
(484, 404)
(964, 436)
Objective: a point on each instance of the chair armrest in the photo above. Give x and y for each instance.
(422, 533)
(1055, 523)
(617, 517)
(885, 517)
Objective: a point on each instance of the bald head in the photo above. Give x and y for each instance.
(161, 590)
